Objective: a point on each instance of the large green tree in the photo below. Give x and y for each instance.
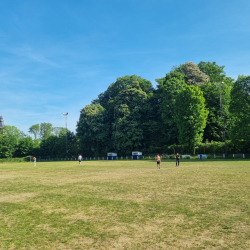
(215, 72)
(193, 75)
(91, 130)
(217, 96)
(190, 116)
(59, 131)
(12, 130)
(154, 130)
(46, 130)
(107, 98)
(10, 136)
(240, 109)
(35, 129)
(128, 119)
(122, 118)
(8, 144)
(55, 146)
(168, 89)
(217, 99)
(25, 147)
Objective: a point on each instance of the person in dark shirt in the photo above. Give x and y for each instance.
(177, 159)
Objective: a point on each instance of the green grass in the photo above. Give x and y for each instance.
(125, 205)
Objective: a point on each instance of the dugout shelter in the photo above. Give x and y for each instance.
(136, 155)
(111, 156)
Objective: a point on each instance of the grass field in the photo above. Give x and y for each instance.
(125, 205)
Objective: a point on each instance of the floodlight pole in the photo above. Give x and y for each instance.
(66, 114)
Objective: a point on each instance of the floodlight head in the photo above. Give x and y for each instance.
(65, 113)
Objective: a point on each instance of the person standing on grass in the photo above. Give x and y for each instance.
(177, 159)
(80, 159)
(34, 159)
(158, 160)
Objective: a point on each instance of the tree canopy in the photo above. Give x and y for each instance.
(240, 109)
(190, 116)
(190, 105)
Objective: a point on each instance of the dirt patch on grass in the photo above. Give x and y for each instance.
(78, 243)
(78, 216)
(14, 198)
(48, 228)
(59, 210)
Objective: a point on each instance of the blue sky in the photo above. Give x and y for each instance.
(57, 56)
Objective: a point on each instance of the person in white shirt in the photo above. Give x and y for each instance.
(80, 159)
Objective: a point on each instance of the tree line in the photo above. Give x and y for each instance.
(194, 107)
(47, 141)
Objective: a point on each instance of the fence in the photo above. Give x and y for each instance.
(145, 157)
